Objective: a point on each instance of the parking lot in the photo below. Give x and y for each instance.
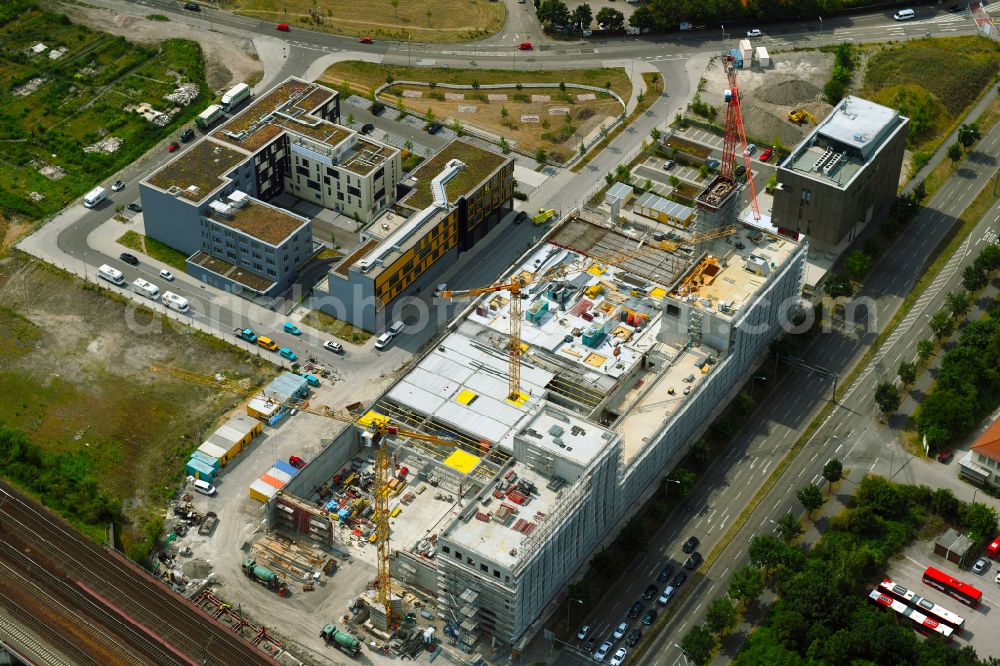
(980, 629)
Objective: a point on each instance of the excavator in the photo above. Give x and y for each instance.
(800, 116)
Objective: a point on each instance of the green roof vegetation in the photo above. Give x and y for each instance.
(479, 164)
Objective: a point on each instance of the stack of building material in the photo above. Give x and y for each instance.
(297, 560)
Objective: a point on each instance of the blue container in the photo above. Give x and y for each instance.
(200, 470)
(207, 459)
(343, 513)
(286, 468)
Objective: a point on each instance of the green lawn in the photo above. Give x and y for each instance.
(51, 109)
(338, 329)
(154, 249)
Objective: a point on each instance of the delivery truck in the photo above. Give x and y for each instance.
(235, 96)
(208, 116)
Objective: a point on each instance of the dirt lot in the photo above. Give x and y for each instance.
(75, 368)
(227, 59)
(418, 20)
(529, 125)
(794, 81)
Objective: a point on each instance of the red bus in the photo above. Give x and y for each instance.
(918, 620)
(925, 606)
(953, 587)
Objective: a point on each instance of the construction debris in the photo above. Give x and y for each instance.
(300, 562)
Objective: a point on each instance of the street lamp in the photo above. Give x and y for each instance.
(821, 24)
(569, 604)
(753, 382)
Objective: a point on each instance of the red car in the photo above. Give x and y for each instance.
(365, 40)
(296, 462)
(525, 46)
(945, 455)
(172, 146)
(282, 27)
(766, 155)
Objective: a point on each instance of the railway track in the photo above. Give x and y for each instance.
(149, 624)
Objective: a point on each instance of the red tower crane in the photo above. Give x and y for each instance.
(735, 133)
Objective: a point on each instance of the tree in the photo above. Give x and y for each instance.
(504, 114)
(699, 644)
(395, 7)
(968, 134)
(833, 471)
(429, 14)
(980, 521)
(989, 257)
(350, 119)
(955, 152)
(974, 278)
(553, 12)
(925, 349)
(408, 146)
(674, 181)
(582, 17)
(959, 303)
(504, 146)
(907, 372)
(456, 126)
(789, 527)
(746, 584)
(429, 116)
(810, 497)
(858, 265)
(838, 285)
(611, 19)
(623, 174)
(765, 551)
(700, 453)
(887, 397)
(720, 616)
(941, 324)
(919, 192)
(656, 135)
(642, 18)
(540, 156)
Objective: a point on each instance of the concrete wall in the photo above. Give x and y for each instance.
(171, 219)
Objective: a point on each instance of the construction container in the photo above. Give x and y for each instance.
(207, 459)
(286, 468)
(593, 335)
(283, 477)
(200, 470)
(746, 51)
(270, 480)
(262, 491)
(763, 59)
(536, 311)
(235, 434)
(737, 57)
(215, 451)
(594, 290)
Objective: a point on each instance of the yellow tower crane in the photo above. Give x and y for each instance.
(378, 428)
(516, 284)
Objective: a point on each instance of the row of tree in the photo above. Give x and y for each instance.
(821, 615)
(555, 14)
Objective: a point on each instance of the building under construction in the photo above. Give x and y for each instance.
(622, 362)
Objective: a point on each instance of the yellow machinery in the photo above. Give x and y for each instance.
(800, 116)
(544, 215)
(378, 428)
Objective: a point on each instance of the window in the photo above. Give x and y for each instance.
(496, 573)
(270, 271)
(258, 266)
(378, 174)
(445, 549)
(353, 190)
(468, 560)
(673, 310)
(458, 555)
(485, 568)
(340, 196)
(806, 196)
(312, 184)
(302, 171)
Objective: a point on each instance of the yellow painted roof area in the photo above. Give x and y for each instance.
(596, 270)
(462, 461)
(657, 292)
(522, 398)
(465, 397)
(372, 417)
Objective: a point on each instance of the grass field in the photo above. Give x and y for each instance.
(413, 20)
(338, 329)
(74, 370)
(52, 109)
(558, 135)
(365, 77)
(155, 249)
(933, 81)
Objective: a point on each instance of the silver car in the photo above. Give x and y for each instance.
(981, 566)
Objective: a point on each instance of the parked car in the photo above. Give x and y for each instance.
(750, 149)
(186, 135)
(665, 573)
(634, 637)
(680, 578)
(282, 27)
(204, 487)
(520, 217)
(118, 186)
(365, 40)
(664, 598)
(619, 657)
(945, 455)
(981, 566)
(690, 544)
(650, 617)
(172, 146)
(634, 612)
(289, 327)
(620, 630)
(754, 32)
(669, 164)
(583, 633)
(590, 645)
(740, 171)
(335, 347)
(433, 128)
(296, 462)
(378, 108)
(525, 46)
(192, 6)
(367, 128)
(267, 343)
(288, 353)
(167, 275)
(135, 207)
(651, 591)
(129, 258)
(383, 341)
(693, 561)
(602, 652)
(766, 155)
(712, 163)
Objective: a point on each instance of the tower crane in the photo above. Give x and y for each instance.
(377, 431)
(516, 284)
(735, 133)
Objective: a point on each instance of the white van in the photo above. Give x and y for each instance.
(146, 288)
(383, 341)
(904, 15)
(204, 487)
(112, 275)
(94, 197)
(175, 302)
(395, 329)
